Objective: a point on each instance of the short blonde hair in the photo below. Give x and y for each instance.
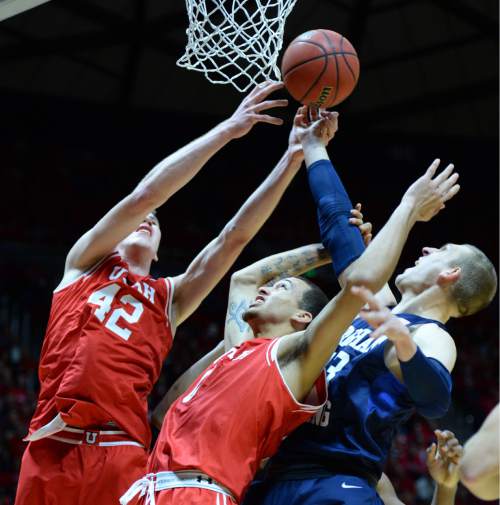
(477, 284)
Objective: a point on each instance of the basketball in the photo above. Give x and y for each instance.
(320, 67)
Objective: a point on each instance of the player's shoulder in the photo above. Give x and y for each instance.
(73, 275)
(432, 332)
(437, 343)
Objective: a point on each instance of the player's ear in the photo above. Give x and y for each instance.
(301, 319)
(448, 277)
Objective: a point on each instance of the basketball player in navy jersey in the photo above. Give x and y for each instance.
(375, 384)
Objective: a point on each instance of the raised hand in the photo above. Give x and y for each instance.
(380, 318)
(429, 193)
(294, 144)
(250, 111)
(443, 459)
(315, 125)
(357, 220)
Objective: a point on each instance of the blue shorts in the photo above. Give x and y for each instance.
(336, 490)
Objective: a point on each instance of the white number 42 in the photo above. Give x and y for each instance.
(104, 297)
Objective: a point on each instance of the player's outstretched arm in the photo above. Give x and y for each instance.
(305, 354)
(215, 260)
(168, 177)
(181, 385)
(246, 282)
(341, 228)
(479, 470)
(385, 295)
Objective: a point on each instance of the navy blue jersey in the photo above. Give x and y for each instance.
(366, 404)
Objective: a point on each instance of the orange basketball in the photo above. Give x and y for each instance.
(320, 67)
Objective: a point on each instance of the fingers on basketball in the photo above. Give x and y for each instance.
(301, 117)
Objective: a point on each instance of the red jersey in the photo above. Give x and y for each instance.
(107, 337)
(234, 415)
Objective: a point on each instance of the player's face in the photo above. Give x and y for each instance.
(427, 268)
(146, 237)
(277, 303)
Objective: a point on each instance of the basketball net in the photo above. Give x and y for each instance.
(235, 41)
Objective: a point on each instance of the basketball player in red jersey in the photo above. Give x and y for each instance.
(237, 412)
(112, 324)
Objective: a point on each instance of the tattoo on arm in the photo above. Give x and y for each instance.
(308, 259)
(286, 264)
(236, 314)
(289, 265)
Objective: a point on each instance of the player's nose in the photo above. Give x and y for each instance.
(428, 250)
(264, 290)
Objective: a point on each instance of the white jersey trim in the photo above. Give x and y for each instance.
(62, 286)
(124, 442)
(99, 444)
(272, 352)
(155, 482)
(169, 311)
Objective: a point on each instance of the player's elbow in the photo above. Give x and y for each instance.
(143, 200)
(242, 277)
(469, 474)
(473, 478)
(235, 236)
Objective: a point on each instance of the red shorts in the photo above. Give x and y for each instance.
(190, 496)
(54, 473)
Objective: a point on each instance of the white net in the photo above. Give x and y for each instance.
(235, 41)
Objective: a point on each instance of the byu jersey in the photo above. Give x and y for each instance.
(366, 404)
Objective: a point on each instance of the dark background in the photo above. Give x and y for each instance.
(91, 99)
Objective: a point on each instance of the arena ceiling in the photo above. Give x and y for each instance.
(427, 66)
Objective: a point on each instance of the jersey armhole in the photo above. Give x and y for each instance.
(318, 395)
(62, 286)
(169, 309)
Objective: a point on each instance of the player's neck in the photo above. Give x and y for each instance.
(137, 264)
(430, 303)
(263, 329)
